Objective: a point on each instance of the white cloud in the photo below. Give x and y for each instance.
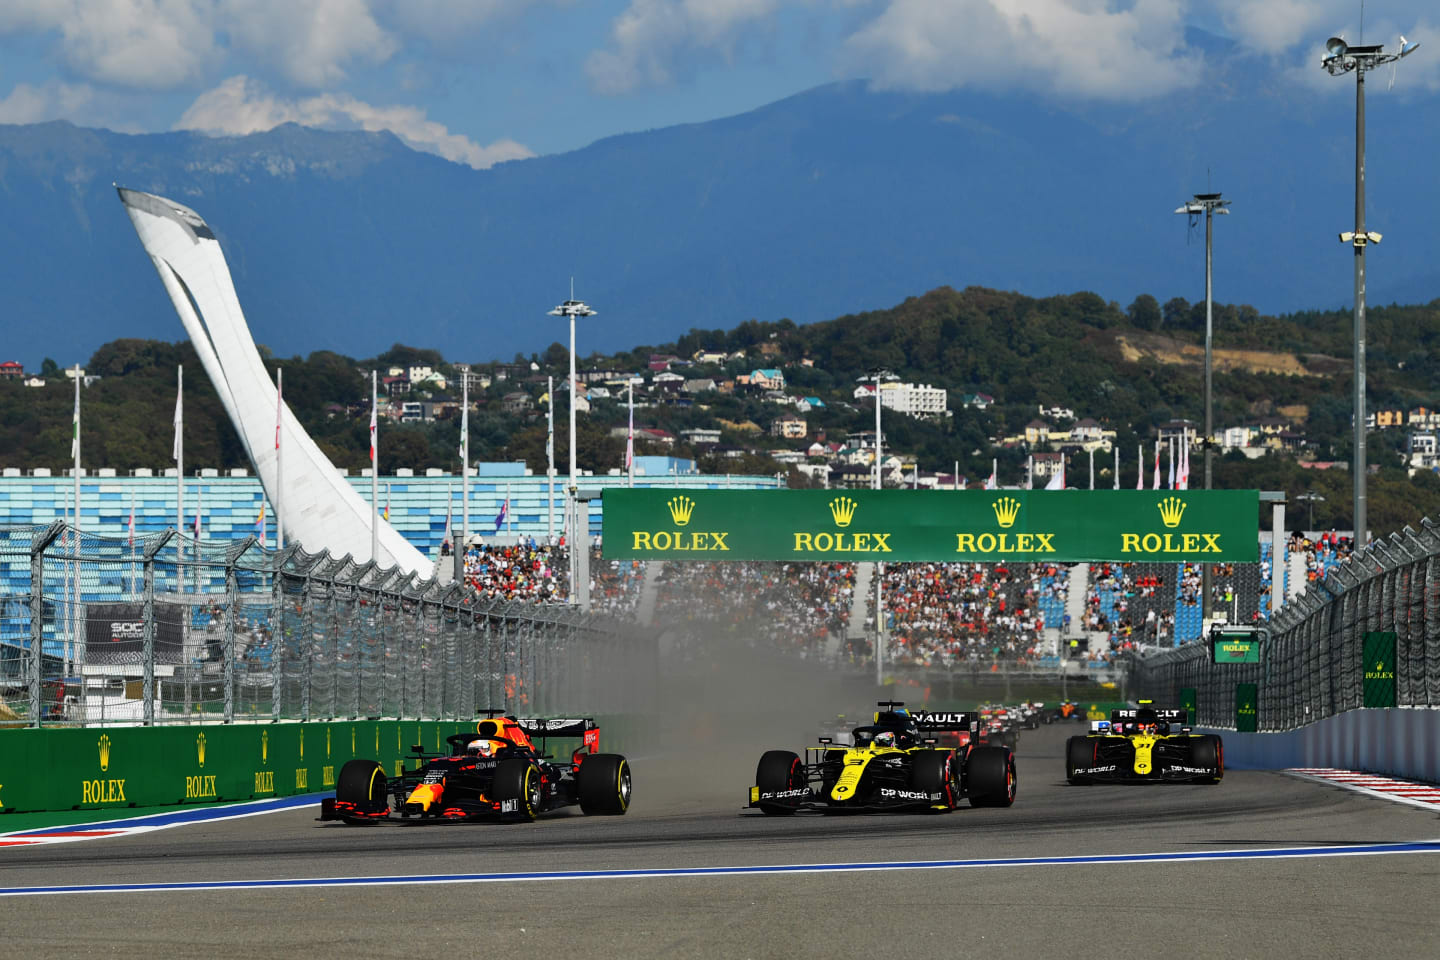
(310, 41)
(27, 104)
(240, 106)
(1073, 48)
(651, 36)
(152, 44)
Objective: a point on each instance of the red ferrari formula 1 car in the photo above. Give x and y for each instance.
(494, 773)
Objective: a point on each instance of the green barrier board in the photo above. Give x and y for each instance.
(908, 525)
(122, 767)
(1187, 703)
(1247, 703)
(1379, 661)
(1235, 648)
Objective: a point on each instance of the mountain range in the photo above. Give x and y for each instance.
(837, 200)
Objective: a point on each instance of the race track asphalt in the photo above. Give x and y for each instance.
(1314, 907)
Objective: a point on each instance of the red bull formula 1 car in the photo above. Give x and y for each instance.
(495, 773)
(1144, 745)
(897, 763)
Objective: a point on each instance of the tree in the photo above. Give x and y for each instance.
(1145, 313)
(1176, 312)
(49, 368)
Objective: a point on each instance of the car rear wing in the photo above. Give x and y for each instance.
(545, 727)
(928, 721)
(1163, 716)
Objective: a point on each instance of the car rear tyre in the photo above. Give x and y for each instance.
(777, 771)
(603, 784)
(363, 783)
(990, 779)
(1078, 754)
(518, 780)
(933, 772)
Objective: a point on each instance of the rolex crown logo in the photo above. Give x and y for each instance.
(104, 752)
(843, 510)
(265, 746)
(1006, 510)
(681, 508)
(1171, 510)
(200, 749)
(1379, 666)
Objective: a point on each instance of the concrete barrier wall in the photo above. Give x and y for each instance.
(1397, 742)
(120, 767)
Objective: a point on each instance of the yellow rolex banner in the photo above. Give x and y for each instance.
(1065, 526)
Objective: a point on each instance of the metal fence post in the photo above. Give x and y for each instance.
(232, 600)
(148, 616)
(307, 649)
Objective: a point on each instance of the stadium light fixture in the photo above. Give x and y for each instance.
(1342, 58)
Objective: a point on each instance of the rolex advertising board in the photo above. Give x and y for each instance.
(1065, 526)
(1378, 687)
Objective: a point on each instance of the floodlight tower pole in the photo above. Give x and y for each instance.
(1209, 204)
(876, 377)
(1341, 59)
(573, 308)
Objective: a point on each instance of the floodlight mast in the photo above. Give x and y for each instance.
(1209, 204)
(1342, 58)
(573, 308)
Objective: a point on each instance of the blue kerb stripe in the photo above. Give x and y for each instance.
(1371, 849)
(190, 815)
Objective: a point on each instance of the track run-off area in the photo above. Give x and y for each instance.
(1263, 865)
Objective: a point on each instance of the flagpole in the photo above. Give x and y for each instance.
(507, 509)
(279, 459)
(1117, 466)
(374, 474)
(74, 644)
(630, 436)
(1092, 468)
(1140, 466)
(955, 477)
(178, 454)
(460, 548)
(550, 461)
(134, 581)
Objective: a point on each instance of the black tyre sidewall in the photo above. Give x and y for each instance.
(511, 783)
(359, 783)
(987, 777)
(598, 784)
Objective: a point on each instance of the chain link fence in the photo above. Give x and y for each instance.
(168, 629)
(1312, 663)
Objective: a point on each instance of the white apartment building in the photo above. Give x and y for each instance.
(917, 400)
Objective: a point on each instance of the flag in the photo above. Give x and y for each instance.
(1057, 479)
(1182, 478)
(279, 408)
(1155, 484)
(197, 514)
(260, 523)
(991, 483)
(1140, 467)
(75, 426)
(504, 512)
(1172, 463)
(132, 519)
(179, 423)
(386, 512)
(373, 405)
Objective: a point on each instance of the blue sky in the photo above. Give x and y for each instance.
(483, 81)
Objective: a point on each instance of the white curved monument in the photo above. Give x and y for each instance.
(320, 510)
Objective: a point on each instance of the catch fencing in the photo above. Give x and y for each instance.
(169, 629)
(1313, 660)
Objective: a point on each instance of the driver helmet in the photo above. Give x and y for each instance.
(1149, 728)
(885, 738)
(482, 748)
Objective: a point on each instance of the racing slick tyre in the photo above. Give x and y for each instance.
(779, 770)
(363, 783)
(1079, 754)
(1209, 751)
(990, 777)
(518, 780)
(603, 784)
(934, 772)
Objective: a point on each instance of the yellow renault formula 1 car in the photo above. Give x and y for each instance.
(1144, 745)
(894, 764)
